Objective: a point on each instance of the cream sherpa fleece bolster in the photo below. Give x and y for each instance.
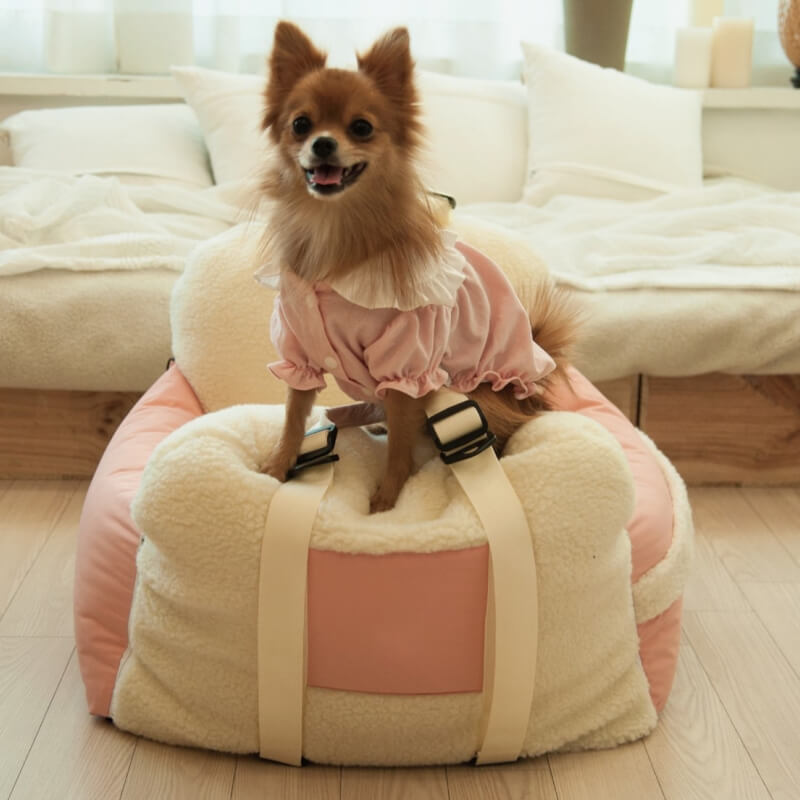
(190, 674)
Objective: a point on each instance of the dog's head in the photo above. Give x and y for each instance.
(338, 129)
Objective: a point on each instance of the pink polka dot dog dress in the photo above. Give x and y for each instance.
(465, 327)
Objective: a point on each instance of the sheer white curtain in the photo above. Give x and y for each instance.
(464, 37)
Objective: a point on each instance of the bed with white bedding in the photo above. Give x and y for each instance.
(684, 278)
(701, 281)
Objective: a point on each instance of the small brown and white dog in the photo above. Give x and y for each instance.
(351, 220)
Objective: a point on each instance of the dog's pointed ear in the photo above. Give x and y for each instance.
(388, 62)
(293, 55)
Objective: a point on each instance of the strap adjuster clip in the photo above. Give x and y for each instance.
(467, 444)
(317, 449)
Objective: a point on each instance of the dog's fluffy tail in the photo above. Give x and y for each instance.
(554, 324)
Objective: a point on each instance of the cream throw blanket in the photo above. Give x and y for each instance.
(726, 234)
(88, 223)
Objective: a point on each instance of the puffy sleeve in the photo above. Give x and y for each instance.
(407, 354)
(294, 368)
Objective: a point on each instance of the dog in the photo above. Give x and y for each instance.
(372, 289)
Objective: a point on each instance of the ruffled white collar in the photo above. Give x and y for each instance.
(438, 282)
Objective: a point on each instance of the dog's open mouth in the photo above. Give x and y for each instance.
(329, 178)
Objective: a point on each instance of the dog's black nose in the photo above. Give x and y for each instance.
(324, 146)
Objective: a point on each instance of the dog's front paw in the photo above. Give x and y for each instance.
(384, 499)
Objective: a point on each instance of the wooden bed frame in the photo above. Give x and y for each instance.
(716, 429)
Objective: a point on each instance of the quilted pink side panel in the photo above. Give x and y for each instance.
(650, 528)
(105, 565)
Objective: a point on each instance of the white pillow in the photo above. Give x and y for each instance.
(477, 130)
(230, 108)
(477, 137)
(162, 141)
(599, 132)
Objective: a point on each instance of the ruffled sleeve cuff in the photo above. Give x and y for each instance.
(522, 386)
(413, 386)
(298, 377)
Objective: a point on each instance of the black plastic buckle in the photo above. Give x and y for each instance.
(467, 445)
(318, 456)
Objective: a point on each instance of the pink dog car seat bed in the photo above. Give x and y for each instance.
(395, 639)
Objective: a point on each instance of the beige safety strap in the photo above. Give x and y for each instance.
(512, 608)
(282, 600)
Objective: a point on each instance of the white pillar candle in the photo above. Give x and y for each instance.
(692, 58)
(704, 11)
(731, 52)
(148, 43)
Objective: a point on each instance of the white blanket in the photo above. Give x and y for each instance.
(729, 234)
(88, 223)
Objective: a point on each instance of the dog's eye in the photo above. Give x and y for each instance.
(361, 129)
(301, 126)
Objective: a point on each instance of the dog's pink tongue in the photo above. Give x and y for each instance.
(326, 175)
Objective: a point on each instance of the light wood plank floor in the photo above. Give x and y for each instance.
(731, 729)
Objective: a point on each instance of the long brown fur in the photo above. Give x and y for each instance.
(383, 226)
(384, 221)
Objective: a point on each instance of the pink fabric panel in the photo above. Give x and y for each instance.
(650, 527)
(404, 623)
(105, 564)
(659, 642)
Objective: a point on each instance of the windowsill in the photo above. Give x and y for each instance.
(144, 86)
(164, 87)
(765, 97)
